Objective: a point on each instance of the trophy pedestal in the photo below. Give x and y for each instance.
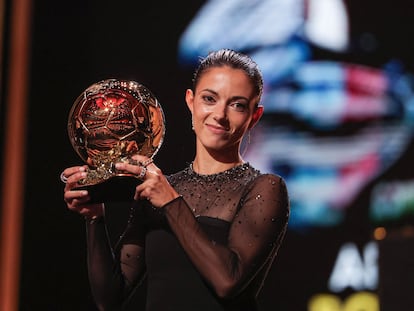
(115, 189)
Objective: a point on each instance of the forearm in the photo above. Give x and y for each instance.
(104, 272)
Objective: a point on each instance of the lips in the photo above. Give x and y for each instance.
(216, 129)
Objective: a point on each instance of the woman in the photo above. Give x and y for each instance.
(203, 238)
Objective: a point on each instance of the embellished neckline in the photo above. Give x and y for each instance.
(231, 171)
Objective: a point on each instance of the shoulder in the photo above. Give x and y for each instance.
(268, 193)
(267, 178)
(272, 185)
(271, 182)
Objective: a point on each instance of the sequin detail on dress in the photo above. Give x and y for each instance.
(204, 192)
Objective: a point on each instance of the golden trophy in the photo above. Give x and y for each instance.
(111, 121)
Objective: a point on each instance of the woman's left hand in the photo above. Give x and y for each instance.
(155, 186)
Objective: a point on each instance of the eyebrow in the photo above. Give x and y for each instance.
(232, 98)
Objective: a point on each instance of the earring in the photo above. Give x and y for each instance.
(246, 143)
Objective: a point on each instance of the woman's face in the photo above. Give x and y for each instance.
(223, 108)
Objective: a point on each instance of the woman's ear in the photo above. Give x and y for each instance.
(257, 114)
(189, 99)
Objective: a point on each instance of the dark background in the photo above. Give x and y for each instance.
(77, 43)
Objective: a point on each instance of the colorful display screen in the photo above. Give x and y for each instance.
(335, 127)
(331, 126)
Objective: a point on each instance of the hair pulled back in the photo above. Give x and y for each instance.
(232, 59)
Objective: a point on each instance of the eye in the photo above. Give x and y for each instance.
(238, 106)
(208, 99)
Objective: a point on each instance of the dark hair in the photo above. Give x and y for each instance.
(235, 60)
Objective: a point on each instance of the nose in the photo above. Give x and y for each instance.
(220, 112)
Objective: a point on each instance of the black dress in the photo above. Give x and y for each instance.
(210, 249)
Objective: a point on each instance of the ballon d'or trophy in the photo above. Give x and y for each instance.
(111, 121)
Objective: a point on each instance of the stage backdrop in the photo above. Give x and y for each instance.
(338, 126)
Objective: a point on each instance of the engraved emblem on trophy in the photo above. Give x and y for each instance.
(110, 122)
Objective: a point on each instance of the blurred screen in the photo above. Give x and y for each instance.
(334, 126)
(330, 126)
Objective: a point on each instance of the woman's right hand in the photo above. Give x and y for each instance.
(77, 200)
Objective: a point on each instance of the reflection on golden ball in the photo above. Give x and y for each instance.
(111, 121)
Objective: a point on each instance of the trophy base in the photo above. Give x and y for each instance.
(115, 189)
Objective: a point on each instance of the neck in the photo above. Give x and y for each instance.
(211, 161)
(209, 165)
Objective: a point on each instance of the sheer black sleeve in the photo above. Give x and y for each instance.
(256, 232)
(113, 273)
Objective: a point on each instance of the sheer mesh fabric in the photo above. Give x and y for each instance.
(210, 249)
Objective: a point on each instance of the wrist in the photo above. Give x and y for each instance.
(172, 201)
(94, 219)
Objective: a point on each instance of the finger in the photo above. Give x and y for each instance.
(78, 203)
(64, 176)
(138, 170)
(127, 167)
(73, 179)
(72, 170)
(142, 160)
(71, 195)
(141, 195)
